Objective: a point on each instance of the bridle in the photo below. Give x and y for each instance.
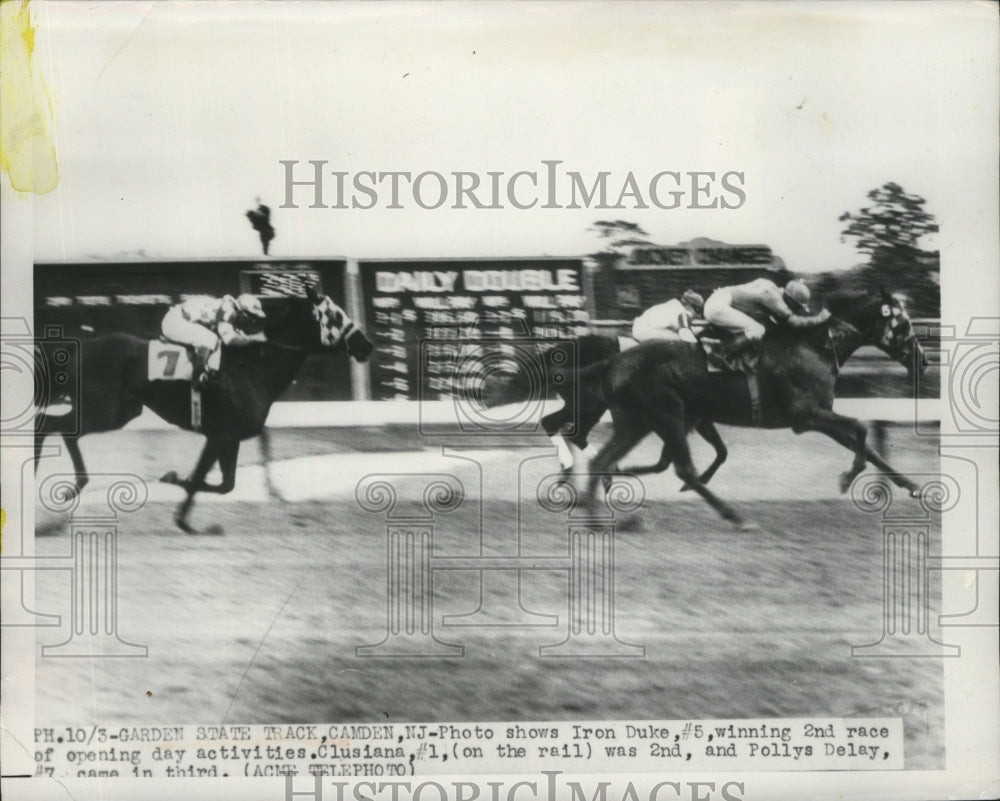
(889, 320)
(870, 333)
(319, 316)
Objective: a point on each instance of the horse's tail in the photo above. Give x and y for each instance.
(581, 358)
(557, 372)
(592, 377)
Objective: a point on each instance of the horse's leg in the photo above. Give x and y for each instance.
(847, 439)
(225, 454)
(39, 442)
(623, 439)
(711, 435)
(896, 477)
(228, 452)
(206, 460)
(583, 416)
(668, 422)
(76, 457)
(552, 424)
(589, 415)
(666, 459)
(850, 433)
(191, 485)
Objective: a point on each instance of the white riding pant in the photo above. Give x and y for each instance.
(642, 331)
(719, 311)
(177, 328)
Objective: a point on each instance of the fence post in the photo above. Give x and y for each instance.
(361, 376)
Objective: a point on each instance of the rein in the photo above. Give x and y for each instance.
(861, 334)
(283, 346)
(341, 345)
(833, 348)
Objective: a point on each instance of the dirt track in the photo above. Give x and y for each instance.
(261, 624)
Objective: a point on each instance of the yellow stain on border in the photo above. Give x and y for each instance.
(27, 149)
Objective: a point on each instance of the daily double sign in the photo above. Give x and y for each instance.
(559, 280)
(427, 317)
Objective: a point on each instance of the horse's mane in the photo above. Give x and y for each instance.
(279, 312)
(847, 300)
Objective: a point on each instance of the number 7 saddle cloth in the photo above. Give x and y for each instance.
(169, 361)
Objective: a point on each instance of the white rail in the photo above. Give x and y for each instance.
(346, 414)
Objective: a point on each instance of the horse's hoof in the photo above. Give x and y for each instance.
(214, 530)
(748, 525)
(846, 479)
(915, 493)
(686, 488)
(170, 478)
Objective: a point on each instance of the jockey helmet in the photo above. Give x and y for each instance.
(250, 305)
(693, 299)
(798, 291)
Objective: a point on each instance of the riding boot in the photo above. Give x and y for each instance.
(740, 344)
(743, 353)
(202, 372)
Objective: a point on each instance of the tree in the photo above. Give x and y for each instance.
(892, 227)
(889, 233)
(621, 233)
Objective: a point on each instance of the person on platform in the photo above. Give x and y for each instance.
(205, 323)
(260, 219)
(670, 320)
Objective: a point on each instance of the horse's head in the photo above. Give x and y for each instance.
(886, 325)
(336, 329)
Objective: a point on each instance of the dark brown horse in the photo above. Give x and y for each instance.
(113, 386)
(571, 370)
(666, 388)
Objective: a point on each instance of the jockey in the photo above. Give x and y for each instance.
(739, 308)
(204, 322)
(670, 320)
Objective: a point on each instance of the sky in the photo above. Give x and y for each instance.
(170, 120)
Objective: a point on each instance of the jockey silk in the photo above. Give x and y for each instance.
(760, 297)
(202, 321)
(670, 320)
(736, 307)
(210, 312)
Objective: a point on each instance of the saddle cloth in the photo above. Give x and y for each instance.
(717, 346)
(169, 361)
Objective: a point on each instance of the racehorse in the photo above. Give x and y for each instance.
(538, 372)
(666, 388)
(113, 386)
(571, 370)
